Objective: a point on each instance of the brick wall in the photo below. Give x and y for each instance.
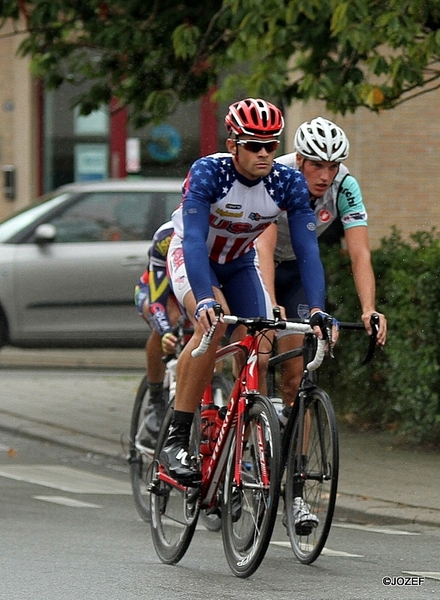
(394, 156)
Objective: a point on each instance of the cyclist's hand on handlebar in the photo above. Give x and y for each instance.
(205, 313)
(279, 312)
(381, 330)
(168, 342)
(325, 326)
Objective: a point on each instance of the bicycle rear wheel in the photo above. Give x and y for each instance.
(249, 508)
(311, 477)
(140, 456)
(174, 509)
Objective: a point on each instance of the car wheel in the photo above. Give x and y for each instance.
(4, 337)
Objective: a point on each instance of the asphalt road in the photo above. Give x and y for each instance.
(70, 531)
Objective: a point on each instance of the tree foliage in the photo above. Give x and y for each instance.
(150, 55)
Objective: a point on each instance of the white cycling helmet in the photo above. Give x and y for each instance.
(321, 139)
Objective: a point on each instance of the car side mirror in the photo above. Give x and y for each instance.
(45, 233)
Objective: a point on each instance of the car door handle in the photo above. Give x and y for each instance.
(134, 261)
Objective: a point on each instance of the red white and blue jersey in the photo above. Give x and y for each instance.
(223, 212)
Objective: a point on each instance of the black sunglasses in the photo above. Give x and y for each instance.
(254, 146)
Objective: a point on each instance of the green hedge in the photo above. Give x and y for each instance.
(400, 389)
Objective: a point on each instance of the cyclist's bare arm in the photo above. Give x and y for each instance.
(363, 275)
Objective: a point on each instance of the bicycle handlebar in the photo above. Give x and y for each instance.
(257, 323)
(205, 342)
(261, 323)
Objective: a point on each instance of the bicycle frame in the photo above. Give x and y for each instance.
(213, 465)
(246, 383)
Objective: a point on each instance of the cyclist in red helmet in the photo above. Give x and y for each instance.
(228, 201)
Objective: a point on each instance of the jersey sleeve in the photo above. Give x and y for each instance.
(197, 199)
(302, 227)
(350, 204)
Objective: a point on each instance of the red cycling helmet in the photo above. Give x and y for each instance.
(254, 116)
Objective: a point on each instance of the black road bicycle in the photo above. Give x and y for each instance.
(310, 447)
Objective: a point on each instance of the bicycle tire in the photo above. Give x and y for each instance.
(221, 390)
(249, 511)
(140, 458)
(312, 472)
(174, 513)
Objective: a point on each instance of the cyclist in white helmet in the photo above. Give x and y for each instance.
(335, 196)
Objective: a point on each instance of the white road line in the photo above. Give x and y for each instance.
(426, 574)
(325, 552)
(370, 529)
(67, 501)
(66, 479)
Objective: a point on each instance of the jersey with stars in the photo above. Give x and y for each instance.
(239, 209)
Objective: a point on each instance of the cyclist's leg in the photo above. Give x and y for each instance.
(155, 374)
(247, 296)
(192, 377)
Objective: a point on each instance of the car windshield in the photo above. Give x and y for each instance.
(13, 224)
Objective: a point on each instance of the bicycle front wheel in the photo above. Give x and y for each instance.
(249, 506)
(174, 509)
(311, 477)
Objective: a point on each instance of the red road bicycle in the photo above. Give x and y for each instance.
(237, 449)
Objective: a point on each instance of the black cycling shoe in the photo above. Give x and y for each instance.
(175, 459)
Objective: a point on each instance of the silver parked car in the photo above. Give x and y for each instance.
(69, 264)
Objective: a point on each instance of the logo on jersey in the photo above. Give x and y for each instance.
(311, 226)
(227, 213)
(257, 217)
(177, 258)
(303, 311)
(163, 245)
(234, 206)
(234, 228)
(324, 215)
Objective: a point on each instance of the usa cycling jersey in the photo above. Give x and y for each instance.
(343, 200)
(222, 213)
(154, 286)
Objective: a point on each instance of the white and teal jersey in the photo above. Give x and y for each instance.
(343, 200)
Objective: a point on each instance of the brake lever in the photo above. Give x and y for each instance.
(328, 324)
(374, 322)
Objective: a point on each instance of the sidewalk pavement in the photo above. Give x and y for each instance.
(90, 407)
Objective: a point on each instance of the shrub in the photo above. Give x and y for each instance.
(400, 388)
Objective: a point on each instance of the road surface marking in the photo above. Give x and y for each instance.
(66, 479)
(67, 501)
(426, 574)
(325, 552)
(368, 528)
